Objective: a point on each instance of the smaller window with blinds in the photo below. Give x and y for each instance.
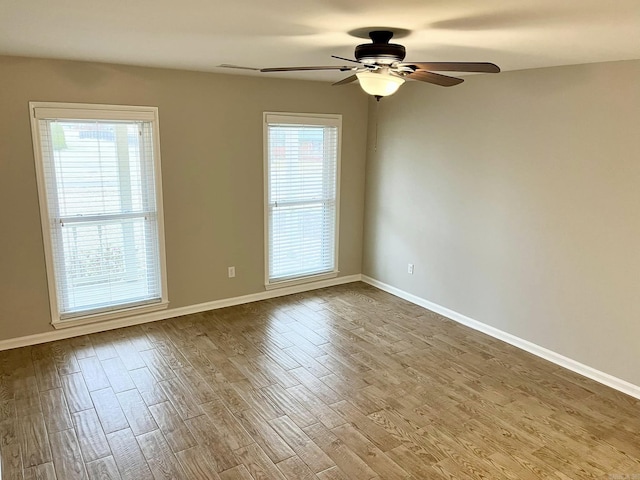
(302, 172)
(98, 173)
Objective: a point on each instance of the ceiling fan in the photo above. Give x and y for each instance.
(380, 67)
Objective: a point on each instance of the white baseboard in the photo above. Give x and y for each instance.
(561, 360)
(171, 313)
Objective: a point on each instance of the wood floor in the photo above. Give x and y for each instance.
(342, 383)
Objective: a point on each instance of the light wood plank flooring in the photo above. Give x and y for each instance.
(342, 383)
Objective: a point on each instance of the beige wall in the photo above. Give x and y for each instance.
(211, 143)
(517, 197)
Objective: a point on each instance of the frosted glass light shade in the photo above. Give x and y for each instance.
(379, 84)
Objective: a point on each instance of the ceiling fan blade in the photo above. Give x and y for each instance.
(484, 67)
(436, 78)
(294, 69)
(346, 59)
(347, 80)
(238, 67)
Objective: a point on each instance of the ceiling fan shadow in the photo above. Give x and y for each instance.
(504, 19)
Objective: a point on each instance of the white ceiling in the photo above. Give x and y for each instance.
(201, 34)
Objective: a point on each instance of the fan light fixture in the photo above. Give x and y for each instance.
(379, 84)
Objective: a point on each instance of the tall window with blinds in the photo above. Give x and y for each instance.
(99, 184)
(302, 160)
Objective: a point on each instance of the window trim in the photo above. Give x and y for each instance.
(82, 111)
(320, 119)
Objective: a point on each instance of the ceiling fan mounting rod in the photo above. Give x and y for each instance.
(380, 36)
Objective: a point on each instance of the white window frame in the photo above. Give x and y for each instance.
(302, 119)
(82, 111)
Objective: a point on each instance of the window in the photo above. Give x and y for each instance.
(302, 160)
(98, 171)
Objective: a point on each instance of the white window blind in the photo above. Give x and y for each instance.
(302, 156)
(101, 215)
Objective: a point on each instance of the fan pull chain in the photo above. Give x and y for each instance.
(375, 135)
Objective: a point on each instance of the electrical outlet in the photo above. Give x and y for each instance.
(410, 269)
(232, 272)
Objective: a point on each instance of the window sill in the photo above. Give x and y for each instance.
(101, 317)
(300, 280)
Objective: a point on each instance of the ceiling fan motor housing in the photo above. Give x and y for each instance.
(380, 51)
